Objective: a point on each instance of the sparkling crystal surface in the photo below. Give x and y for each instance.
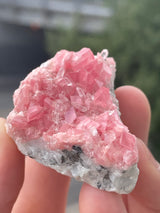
(66, 116)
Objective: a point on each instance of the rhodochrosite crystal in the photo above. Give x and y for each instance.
(66, 117)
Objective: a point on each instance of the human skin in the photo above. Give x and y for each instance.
(29, 187)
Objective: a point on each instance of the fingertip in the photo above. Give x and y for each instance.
(1, 119)
(135, 110)
(2, 124)
(6, 142)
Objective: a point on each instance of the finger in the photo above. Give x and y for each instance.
(135, 111)
(93, 200)
(44, 190)
(11, 170)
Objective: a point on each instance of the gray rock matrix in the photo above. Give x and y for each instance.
(76, 164)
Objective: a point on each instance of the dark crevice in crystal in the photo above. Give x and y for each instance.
(98, 185)
(52, 161)
(106, 177)
(77, 148)
(62, 159)
(30, 154)
(71, 156)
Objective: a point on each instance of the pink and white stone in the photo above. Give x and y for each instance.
(66, 117)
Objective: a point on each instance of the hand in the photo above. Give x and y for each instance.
(41, 189)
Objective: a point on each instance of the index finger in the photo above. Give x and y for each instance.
(11, 170)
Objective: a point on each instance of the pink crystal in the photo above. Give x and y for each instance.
(68, 101)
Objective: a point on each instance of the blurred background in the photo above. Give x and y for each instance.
(33, 31)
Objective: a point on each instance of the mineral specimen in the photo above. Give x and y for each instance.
(66, 117)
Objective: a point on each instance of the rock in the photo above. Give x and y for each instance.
(66, 117)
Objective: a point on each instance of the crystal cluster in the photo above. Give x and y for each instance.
(66, 117)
